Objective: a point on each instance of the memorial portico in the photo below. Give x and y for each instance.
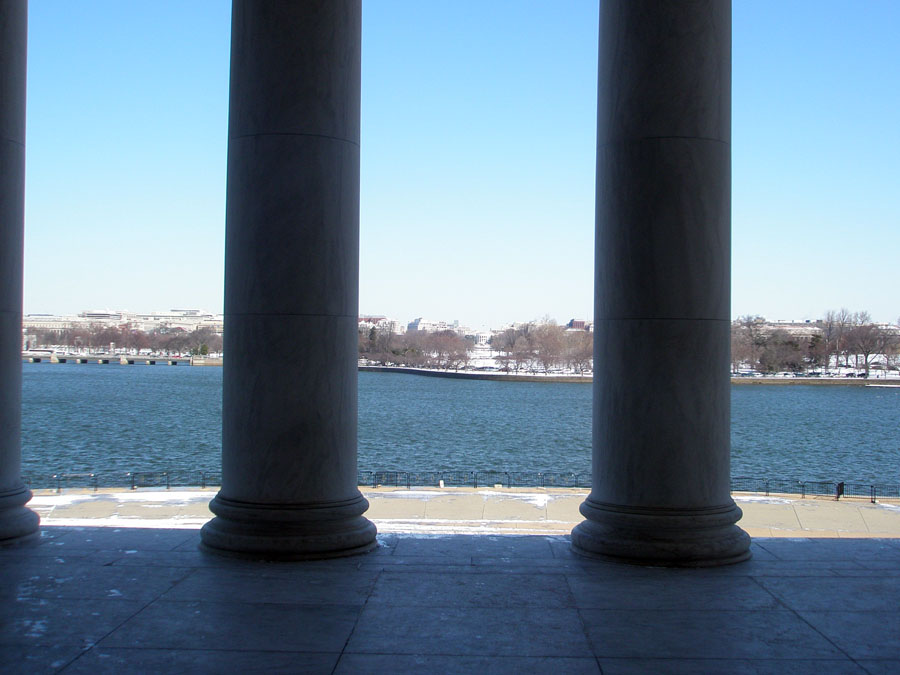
(661, 420)
(121, 593)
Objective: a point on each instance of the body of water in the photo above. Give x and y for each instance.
(111, 418)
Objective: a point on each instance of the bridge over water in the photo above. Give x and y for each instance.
(104, 359)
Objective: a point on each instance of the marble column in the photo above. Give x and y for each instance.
(661, 422)
(18, 524)
(291, 286)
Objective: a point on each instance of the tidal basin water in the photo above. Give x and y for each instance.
(112, 418)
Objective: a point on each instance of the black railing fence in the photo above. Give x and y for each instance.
(474, 479)
(813, 488)
(124, 479)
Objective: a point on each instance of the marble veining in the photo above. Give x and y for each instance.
(677, 52)
(281, 84)
(292, 234)
(663, 244)
(289, 425)
(662, 412)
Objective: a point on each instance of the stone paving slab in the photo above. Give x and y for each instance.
(730, 667)
(487, 631)
(118, 660)
(779, 634)
(429, 664)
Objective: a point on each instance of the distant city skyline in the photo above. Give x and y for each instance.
(192, 310)
(477, 167)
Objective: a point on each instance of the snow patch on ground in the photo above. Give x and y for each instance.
(60, 500)
(162, 496)
(143, 523)
(158, 498)
(431, 530)
(536, 498)
(761, 499)
(410, 494)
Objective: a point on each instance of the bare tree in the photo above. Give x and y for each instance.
(579, 350)
(547, 344)
(747, 340)
(514, 346)
(892, 348)
(830, 341)
(866, 340)
(781, 351)
(843, 324)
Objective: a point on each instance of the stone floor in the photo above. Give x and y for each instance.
(135, 599)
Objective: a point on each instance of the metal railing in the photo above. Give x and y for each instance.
(133, 480)
(837, 489)
(475, 479)
(65, 479)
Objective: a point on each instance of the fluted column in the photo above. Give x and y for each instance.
(18, 524)
(291, 286)
(661, 423)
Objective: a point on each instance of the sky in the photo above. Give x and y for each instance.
(477, 157)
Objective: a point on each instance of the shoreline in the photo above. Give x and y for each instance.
(476, 375)
(570, 378)
(586, 379)
(819, 381)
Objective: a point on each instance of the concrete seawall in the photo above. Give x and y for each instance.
(473, 375)
(830, 381)
(586, 379)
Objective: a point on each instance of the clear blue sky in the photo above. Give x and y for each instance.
(478, 146)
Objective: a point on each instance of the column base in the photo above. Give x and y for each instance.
(288, 531)
(662, 537)
(19, 525)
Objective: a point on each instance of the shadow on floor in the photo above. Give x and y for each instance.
(146, 600)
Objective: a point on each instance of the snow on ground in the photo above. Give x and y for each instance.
(762, 499)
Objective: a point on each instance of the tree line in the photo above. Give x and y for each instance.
(442, 349)
(532, 347)
(162, 340)
(544, 347)
(842, 339)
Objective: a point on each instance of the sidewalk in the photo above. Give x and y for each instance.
(471, 511)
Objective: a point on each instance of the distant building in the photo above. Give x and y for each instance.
(580, 324)
(381, 324)
(182, 319)
(428, 326)
(101, 315)
(47, 322)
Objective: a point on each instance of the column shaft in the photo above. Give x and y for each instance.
(18, 524)
(661, 423)
(291, 286)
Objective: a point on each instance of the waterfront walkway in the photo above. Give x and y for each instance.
(552, 511)
(117, 584)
